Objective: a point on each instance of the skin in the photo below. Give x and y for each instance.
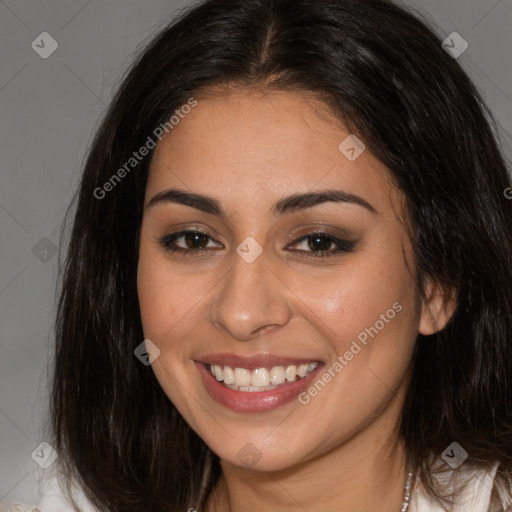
(247, 150)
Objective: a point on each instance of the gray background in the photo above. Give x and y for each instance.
(49, 111)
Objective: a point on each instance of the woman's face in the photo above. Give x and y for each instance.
(301, 266)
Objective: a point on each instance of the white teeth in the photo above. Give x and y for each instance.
(218, 372)
(229, 375)
(291, 373)
(250, 389)
(277, 375)
(242, 377)
(302, 370)
(260, 379)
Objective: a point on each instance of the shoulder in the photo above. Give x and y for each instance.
(476, 495)
(53, 497)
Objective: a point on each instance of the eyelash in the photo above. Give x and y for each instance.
(342, 246)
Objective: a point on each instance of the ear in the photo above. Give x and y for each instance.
(437, 307)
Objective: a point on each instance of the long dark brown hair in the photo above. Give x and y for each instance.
(387, 77)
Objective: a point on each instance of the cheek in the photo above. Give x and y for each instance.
(166, 300)
(369, 296)
(370, 322)
(167, 297)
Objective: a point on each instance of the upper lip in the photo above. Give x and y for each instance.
(254, 361)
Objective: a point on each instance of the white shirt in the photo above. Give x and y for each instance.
(53, 499)
(476, 498)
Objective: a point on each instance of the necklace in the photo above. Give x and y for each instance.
(407, 493)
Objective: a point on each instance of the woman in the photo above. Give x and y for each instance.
(288, 280)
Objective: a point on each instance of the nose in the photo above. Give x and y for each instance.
(250, 300)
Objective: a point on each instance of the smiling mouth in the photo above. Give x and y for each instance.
(260, 379)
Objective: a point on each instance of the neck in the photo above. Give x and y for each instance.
(367, 472)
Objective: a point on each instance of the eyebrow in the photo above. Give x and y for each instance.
(285, 205)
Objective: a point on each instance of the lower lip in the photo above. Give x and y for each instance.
(256, 401)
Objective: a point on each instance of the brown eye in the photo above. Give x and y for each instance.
(186, 241)
(319, 243)
(323, 244)
(195, 240)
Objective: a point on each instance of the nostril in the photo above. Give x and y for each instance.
(265, 328)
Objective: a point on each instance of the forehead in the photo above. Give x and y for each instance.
(254, 146)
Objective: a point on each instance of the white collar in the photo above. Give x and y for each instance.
(476, 498)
